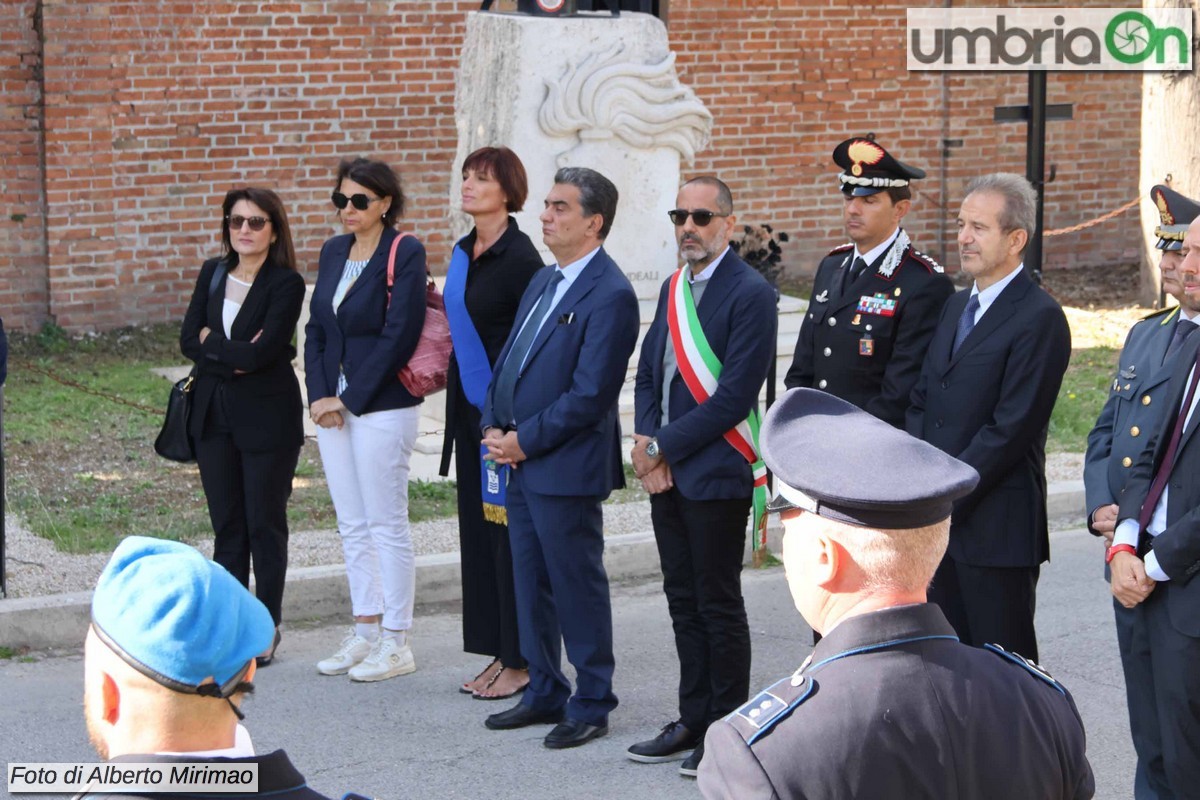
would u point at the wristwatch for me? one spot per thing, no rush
(1118, 548)
(652, 448)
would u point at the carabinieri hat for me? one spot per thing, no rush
(1175, 213)
(868, 169)
(837, 461)
(179, 619)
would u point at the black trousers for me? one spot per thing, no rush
(701, 545)
(1162, 686)
(489, 604)
(989, 605)
(247, 496)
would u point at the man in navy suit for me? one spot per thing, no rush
(700, 483)
(1154, 558)
(985, 395)
(551, 415)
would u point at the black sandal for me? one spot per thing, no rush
(266, 659)
(465, 688)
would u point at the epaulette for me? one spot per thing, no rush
(771, 706)
(1169, 311)
(925, 261)
(841, 248)
(1028, 665)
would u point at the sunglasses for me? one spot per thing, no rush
(359, 201)
(237, 221)
(679, 216)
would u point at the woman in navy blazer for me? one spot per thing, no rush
(359, 335)
(246, 420)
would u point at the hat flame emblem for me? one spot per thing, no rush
(1164, 213)
(863, 152)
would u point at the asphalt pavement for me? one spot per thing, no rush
(417, 737)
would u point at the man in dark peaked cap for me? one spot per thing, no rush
(889, 703)
(875, 300)
(168, 659)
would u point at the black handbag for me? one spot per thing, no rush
(174, 442)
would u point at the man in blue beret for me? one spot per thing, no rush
(169, 658)
(889, 703)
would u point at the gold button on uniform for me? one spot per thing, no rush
(1126, 462)
(828, 351)
(1145, 399)
(1135, 431)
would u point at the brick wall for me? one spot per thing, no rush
(154, 110)
(23, 290)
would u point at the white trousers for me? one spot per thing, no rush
(366, 467)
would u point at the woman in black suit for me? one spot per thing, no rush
(246, 418)
(362, 329)
(489, 270)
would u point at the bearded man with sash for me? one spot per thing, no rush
(702, 365)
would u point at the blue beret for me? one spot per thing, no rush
(177, 617)
(838, 461)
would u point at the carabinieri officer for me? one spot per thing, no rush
(875, 300)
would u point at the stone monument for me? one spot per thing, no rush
(586, 91)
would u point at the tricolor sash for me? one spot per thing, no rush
(474, 373)
(701, 369)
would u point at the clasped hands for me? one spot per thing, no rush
(503, 448)
(1130, 583)
(655, 473)
(327, 412)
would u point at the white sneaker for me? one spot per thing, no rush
(351, 651)
(387, 659)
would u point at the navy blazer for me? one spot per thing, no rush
(265, 410)
(1128, 419)
(990, 406)
(738, 315)
(368, 339)
(1177, 548)
(565, 401)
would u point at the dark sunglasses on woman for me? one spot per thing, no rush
(359, 201)
(237, 221)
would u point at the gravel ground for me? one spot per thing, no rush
(35, 567)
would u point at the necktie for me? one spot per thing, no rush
(966, 323)
(1164, 469)
(506, 381)
(1183, 329)
(852, 274)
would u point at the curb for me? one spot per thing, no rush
(321, 593)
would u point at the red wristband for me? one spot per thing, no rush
(1119, 548)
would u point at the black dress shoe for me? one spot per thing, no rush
(521, 715)
(691, 764)
(673, 743)
(266, 658)
(572, 733)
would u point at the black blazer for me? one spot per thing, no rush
(1178, 547)
(496, 282)
(990, 406)
(265, 409)
(370, 340)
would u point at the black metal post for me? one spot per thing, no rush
(3, 565)
(1035, 165)
(771, 372)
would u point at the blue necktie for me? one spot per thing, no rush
(506, 381)
(966, 323)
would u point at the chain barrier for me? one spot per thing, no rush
(25, 365)
(1096, 221)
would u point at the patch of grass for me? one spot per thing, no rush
(1084, 391)
(432, 500)
(18, 653)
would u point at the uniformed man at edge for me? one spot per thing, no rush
(889, 704)
(875, 300)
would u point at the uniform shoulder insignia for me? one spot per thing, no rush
(925, 261)
(771, 706)
(1028, 665)
(1170, 311)
(842, 248)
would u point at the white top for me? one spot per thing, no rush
(235, 295)
(349, 276)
